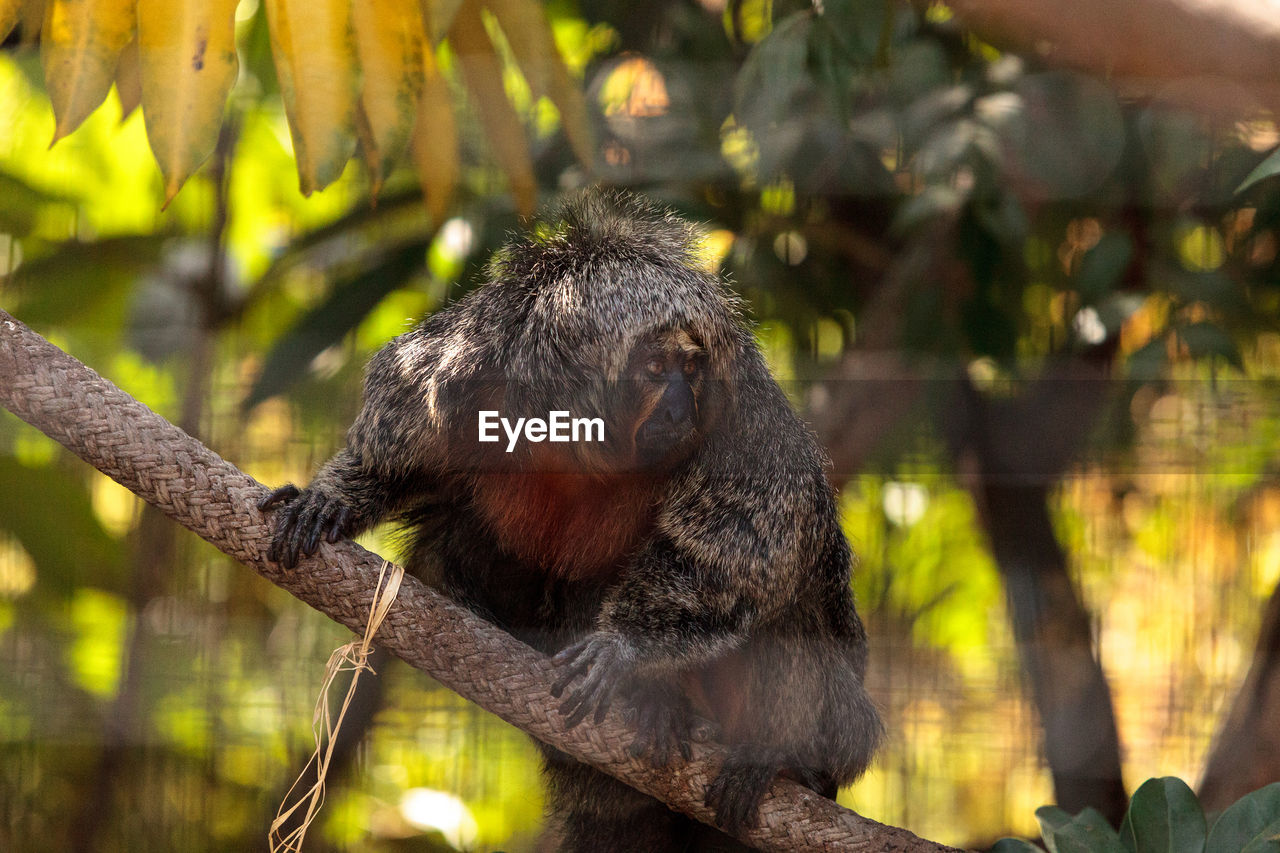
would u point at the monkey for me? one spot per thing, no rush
(687, 566)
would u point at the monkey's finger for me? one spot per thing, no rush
(603, 708)
(583, 700)
(299, 525)
(568, 676)
(315, 531)
(581, 707)
(569, 653)
(310, 525)
(643, 741)
(284, 494)
(339, 525)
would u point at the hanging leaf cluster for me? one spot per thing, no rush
(353, 74)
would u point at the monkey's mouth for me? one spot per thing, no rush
(658, 442)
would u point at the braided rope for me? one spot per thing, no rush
(195, 487)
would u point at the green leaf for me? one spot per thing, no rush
(1087, 832)
(85, 280)
(1250, 825)
(857, 25)
(1267, 168)
(326, 324)
(1164, 817)
(1206, 339)
(23, 204)
(1148, 362)
(50, 515)
(1014, 845)
(1103, 266)
(774, 72)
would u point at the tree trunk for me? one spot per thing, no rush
(1246, 752)
(1009, 452)
(1052, 632)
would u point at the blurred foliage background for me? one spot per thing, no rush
(1032, 311)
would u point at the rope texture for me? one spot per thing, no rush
(195, 487)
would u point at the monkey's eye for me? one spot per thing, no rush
(690, 368)
(654, 367)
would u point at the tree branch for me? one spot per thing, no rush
(195, 487)
(1214, 56)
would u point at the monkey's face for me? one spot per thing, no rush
(666, 373)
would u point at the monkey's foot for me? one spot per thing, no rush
(664, 721)
(303, 519)
(605, 662)
(736, 791)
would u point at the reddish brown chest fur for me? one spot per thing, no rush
(573, 525)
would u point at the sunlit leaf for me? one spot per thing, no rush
(330, 321)
(316, 64)
(129, 80)
(187, 53)
(435, 143)
(1250, 825)
(525, 25)
(389, 43)
(482, 70)
(80, 45)
(1164, 816)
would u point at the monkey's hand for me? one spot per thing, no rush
(304, 518)
(738, 788)
(664, 720)
(605, 661)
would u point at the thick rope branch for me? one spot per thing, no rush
(195, 487)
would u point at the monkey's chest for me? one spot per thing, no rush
(571, 525)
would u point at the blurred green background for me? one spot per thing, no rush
(1034, 316)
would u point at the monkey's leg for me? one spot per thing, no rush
(595, 813)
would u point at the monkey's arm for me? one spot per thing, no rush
(414, 390)
(345, 499)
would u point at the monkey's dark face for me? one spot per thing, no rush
(666, 374)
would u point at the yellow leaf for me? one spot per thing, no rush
(316, 65)
(81, 41)
(525, 25)
(482, 70)
(10, 13)
(30, 18)
(435, 143)
(129, 80)
(566, 94)
(440, 16)
(389, 43)
(187, 58)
